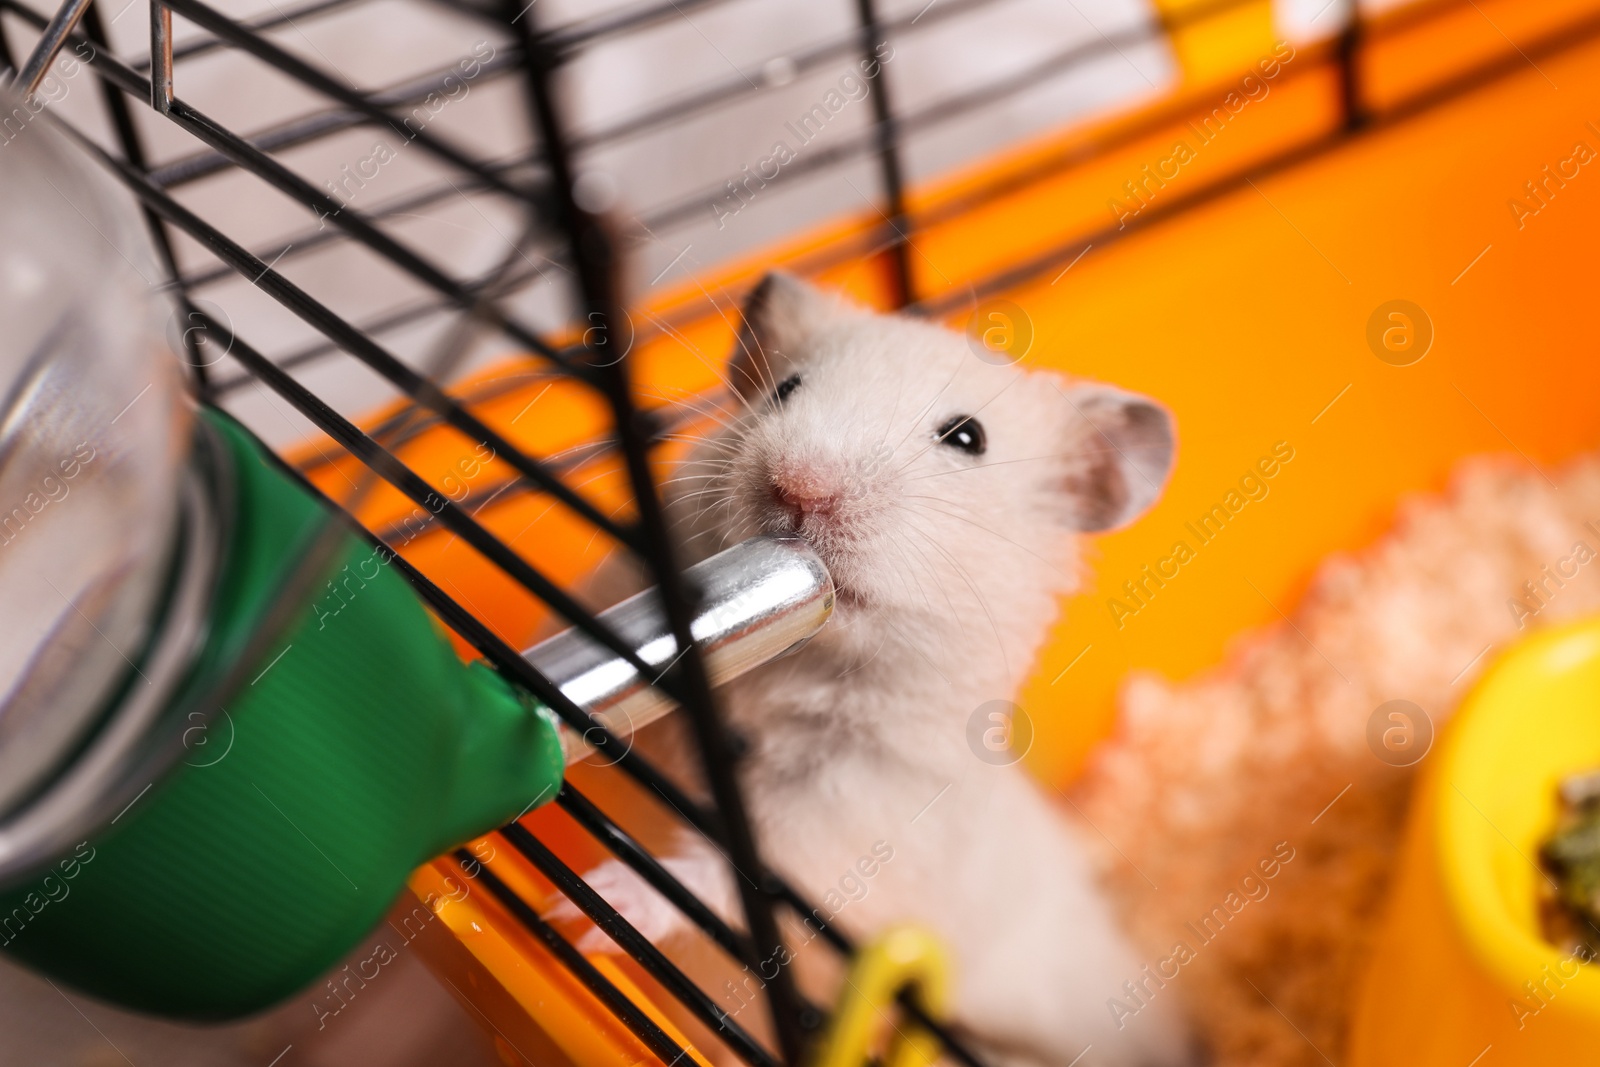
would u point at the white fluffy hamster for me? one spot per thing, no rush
(946, 493)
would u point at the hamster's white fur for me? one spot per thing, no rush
(950, 565)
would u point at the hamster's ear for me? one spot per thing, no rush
(780, 313)
(1119, 456)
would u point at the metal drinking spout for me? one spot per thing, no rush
(759, 599)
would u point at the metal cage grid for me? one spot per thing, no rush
(540, 184)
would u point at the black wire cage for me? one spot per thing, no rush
(535, 186)
(527, 183)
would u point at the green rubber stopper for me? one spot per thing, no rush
(363, 747)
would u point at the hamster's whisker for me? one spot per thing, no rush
(668, 329)
(916, 647)
(690, 430)
(586, 445)
(921, 586)
(743, 338)
(888, 427)
(692, 438)
(961, 572)
(730, 437)
(854, 667)
(933, 574)
(922, 414)
(686, 478)
(583, 483)
(692, 538)
(704, 509)
(987, 530)
(550, 504)
(675, 479)
(676, 403)
(908, 574)
(719, 410)
(689, 438)
(708, 491)
(715, 465)
(587, 544)
(704, 406)
(732, 525)
(706, 467)
(739, 335)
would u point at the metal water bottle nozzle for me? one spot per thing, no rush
(759, 600)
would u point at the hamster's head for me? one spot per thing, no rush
(943, 491)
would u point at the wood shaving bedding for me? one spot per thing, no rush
(1207, 776)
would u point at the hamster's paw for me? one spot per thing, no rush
(635, 899)
(652, 914)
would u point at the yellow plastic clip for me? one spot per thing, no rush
(901, 956)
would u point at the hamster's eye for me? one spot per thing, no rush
(964, 432)
(785, 387)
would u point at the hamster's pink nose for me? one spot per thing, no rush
(804, 490)
(806, 503)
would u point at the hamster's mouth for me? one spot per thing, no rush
(830, 538)
(845, 596)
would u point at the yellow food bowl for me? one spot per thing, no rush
(1460, 971)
